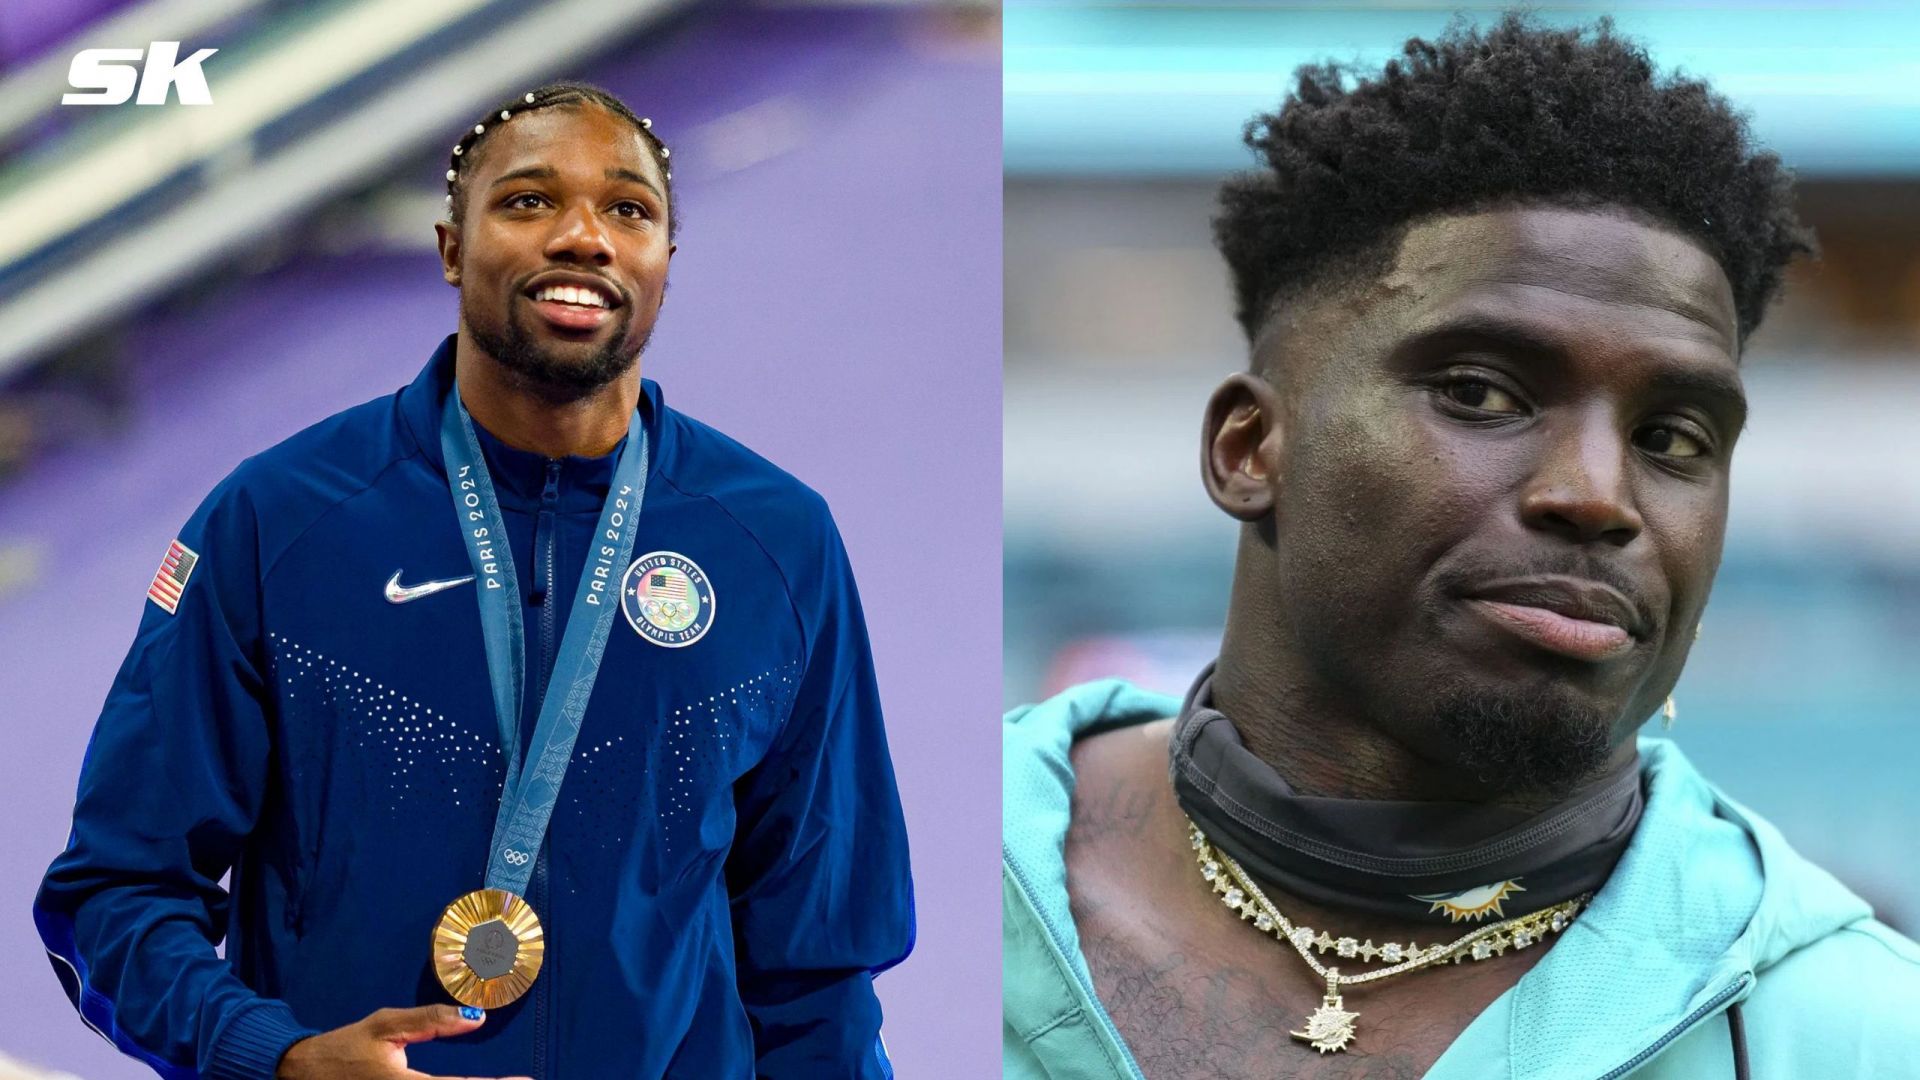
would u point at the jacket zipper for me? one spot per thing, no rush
(544, 525)
(1055, 937)
(1706, 1009)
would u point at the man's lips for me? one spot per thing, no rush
(1579, 619)
(563, 287)
(1578, 638)
(572, 317)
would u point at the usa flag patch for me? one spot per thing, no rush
(171, 579)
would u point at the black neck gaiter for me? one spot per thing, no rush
(1446, 861)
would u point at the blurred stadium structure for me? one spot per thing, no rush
(182, 286)
(1801, 696)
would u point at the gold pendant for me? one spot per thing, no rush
(487, 948)
(1330, 1028)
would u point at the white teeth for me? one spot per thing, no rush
(568, 294)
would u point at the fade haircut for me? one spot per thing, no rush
(1475, 120)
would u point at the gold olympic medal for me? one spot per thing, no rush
(488, 947)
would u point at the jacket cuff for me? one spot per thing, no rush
(253, 1042)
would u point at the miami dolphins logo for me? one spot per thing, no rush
(667, 599)
(1472, 904)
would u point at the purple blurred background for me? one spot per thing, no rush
(32, 27)
(835, 304)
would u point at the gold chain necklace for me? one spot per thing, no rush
(1331, 1027)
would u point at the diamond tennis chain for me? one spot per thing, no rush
(1331, 1027)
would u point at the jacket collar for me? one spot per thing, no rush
(1037, 800)
(1706, 896)
(1651, 947)
(520, 476)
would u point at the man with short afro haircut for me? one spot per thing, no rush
(1514, 115)
(1496, 296)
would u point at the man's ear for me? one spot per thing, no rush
(448, 236)
(1242, 444)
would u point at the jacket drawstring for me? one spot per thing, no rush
(1737, 1028)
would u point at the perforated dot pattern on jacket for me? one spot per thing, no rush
(678, 762)
(701, 735)
(419, 755)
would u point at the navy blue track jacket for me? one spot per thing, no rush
(726, 868)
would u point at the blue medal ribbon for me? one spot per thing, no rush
(533, 788)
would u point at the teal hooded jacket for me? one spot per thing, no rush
(1708, 908)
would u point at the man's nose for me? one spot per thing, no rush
(580, 236)
(1582, 488)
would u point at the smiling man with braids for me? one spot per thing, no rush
(366, 664)
(1496, 297)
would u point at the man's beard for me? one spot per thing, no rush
(555, 381)
(1541, 741)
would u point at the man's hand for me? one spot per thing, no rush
(376, 1048)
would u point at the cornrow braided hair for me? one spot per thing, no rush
(460, 164)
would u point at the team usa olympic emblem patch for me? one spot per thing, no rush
(667, 598)
(171, 579)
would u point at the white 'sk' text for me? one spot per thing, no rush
(109, 75)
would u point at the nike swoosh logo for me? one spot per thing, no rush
(400, 594)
